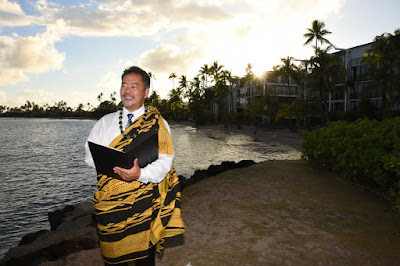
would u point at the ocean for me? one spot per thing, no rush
(42, 167)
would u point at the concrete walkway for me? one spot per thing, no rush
(283, 212)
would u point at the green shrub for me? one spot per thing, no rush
(365, 151)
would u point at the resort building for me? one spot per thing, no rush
(345, 98)
(284, 91)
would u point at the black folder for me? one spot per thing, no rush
(106, 158)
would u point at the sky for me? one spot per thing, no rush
(74, 50)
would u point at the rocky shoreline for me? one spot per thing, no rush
(72, 239)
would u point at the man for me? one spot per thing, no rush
(138, 207)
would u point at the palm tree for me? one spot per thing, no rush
(215, 70)
(153, 99)
(327, 72)
(113, 97)
(205, 71)
(198, 106)
(183, 86)
(183, 82)
(383, 59)
(175, 102)
(317, 33)
(89, 106)
(249, 70)
(249, 74)
(303, 81)
(193, 89)
(222, 89)
(173, 76)
(100, 97)
(286, 110)
(287, 70)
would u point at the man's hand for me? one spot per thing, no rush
(128, 174)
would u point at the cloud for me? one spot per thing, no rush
(257, 32)
(11, 14)
(80, 97)
(10, 7)
(129, 18)
(42, 97)
(33, 54)
(37, 93)
(167, 58)
(151, 17)
(3, 96)
(39, 97)
(110, 81)
(11, 76)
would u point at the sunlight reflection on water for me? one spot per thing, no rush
(198, 151)
(43, 169)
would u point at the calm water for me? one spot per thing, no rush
(42, 167)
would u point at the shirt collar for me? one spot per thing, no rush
(136, 114)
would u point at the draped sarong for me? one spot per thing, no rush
(132, 216)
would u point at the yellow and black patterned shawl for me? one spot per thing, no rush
(132, 216)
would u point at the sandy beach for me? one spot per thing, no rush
(281, 135)
(283, 212)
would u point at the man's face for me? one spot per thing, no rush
(133, 92)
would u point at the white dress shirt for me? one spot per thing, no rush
(107, 129)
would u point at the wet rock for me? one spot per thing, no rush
(76, 232)
(213, 170)
(229, 165)
(29, 238)
(56, 217)
(245, 163)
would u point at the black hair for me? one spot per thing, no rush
(141, 72)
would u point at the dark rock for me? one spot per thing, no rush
(245, 163)
(76, 232)
(228, 165)
(29, 238)
(213, 170)
(56, 217)
(199, 175)
(51, 247)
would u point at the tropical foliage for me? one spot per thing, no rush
(317, 32)
(383, 60)
(366, 152)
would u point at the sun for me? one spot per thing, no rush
(259, 69)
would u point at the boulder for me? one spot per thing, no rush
(56, 217)
(213, 170)
(76, 232)
(29, 238)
